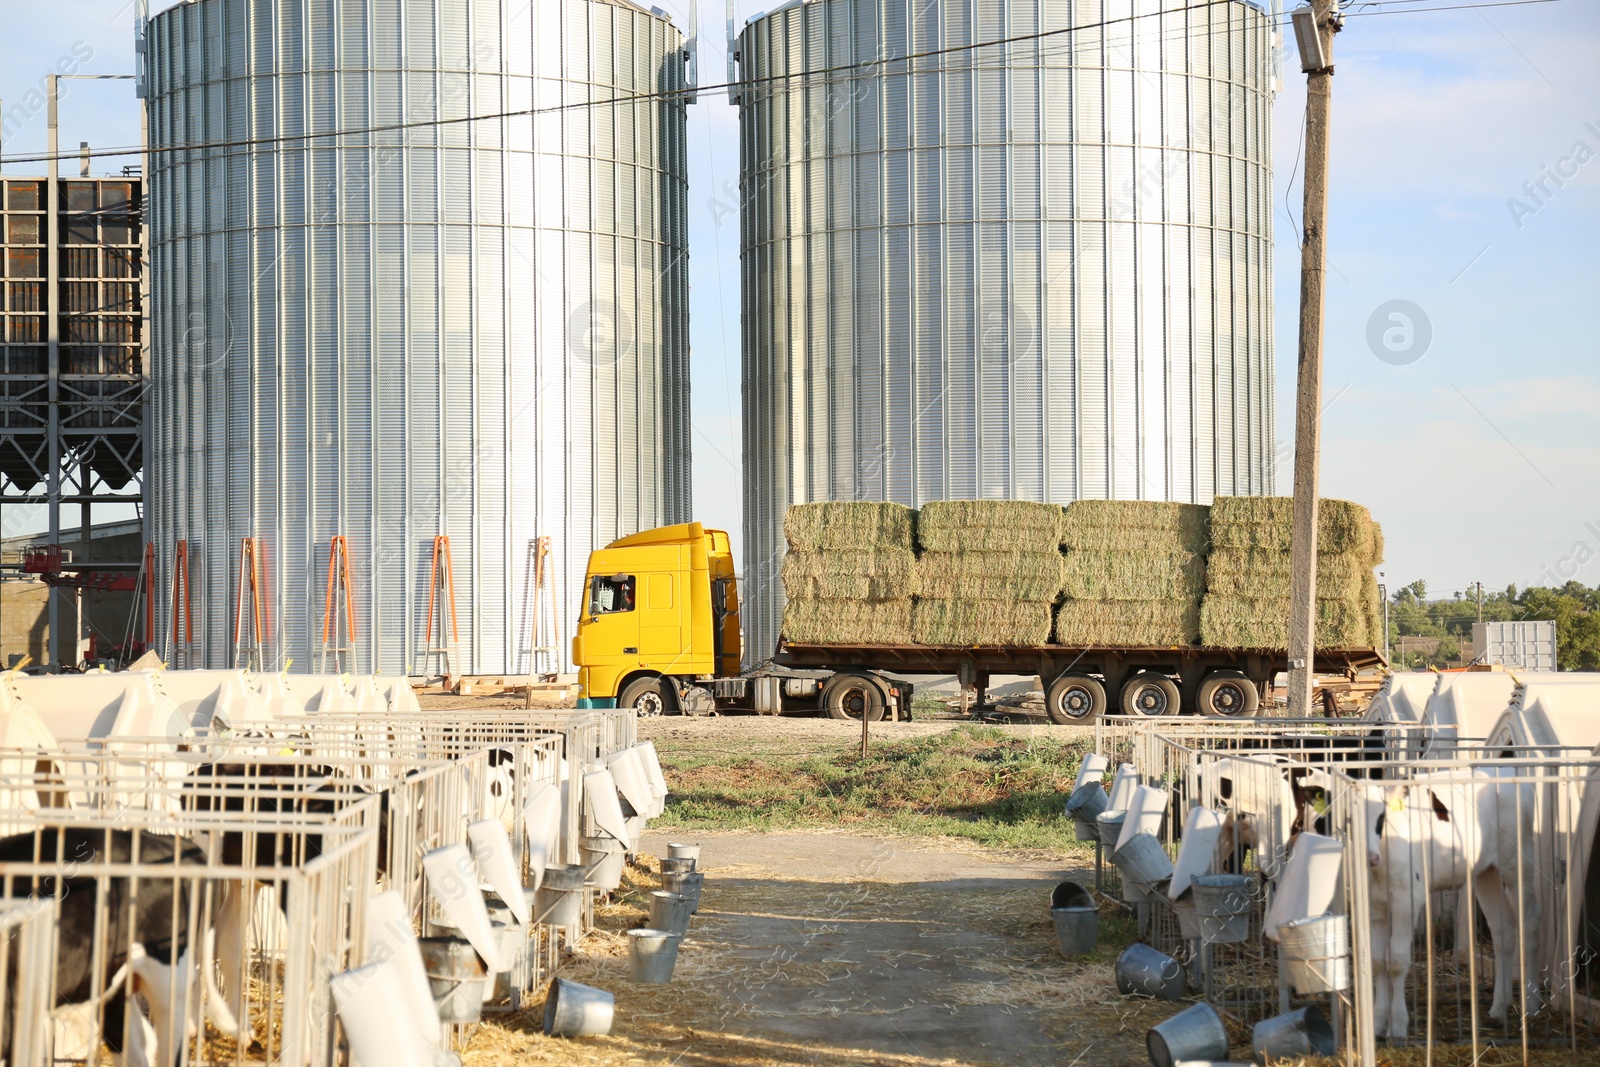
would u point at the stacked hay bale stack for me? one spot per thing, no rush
(849, 573)
(989, 572)
(1135, 573)
(1248, 574)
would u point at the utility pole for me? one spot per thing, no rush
(1314, 27)
(1480, 600)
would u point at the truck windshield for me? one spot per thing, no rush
(610, 595)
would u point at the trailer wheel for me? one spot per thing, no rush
(1074, 699)
(1228, 694)
(1148, 693)
(850, 696)
(647, 696)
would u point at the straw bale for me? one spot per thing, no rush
(872, 574)
(849, 524)
(1098, 524)
(847, 622)
(1268, 522)
(1015, 575)
(989, 526)
(1109, 575)
(981, 622)
(1134, 623)
(1372, 604)
(1266, 573)
(1255, 622)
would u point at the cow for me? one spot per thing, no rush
(1437, 832)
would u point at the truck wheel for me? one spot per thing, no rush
(1074, 699)
(1148, 693)
(647, 696)
(1228, 694)
(850, 696)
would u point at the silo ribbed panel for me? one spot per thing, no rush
(414, 326)
(1036, 270)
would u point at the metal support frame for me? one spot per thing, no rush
(442, 605)
(539, 578)
(249, 655)
(182, 651)
(339, 582)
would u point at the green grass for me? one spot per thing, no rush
(974, 783)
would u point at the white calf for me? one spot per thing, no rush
(1428, 835)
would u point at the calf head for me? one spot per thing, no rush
(1393, 813)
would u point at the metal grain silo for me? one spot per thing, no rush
(377, 320)
(1036, 270)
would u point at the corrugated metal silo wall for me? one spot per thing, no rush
(1034, 271)
(477, 329)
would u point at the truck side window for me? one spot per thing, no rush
(608, 595)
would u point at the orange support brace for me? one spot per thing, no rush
(249, 584)
(338, 579)
(441, 553)
(182, 616)
(147, 575)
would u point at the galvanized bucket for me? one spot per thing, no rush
(1076, 917)
(652, 954)
(677, 865)
(1143, 860)
(1188, 919)
(574, 1010)
(669, 912)
(684, 852)
(1085, 805)
(604, 857)
(1290, 1037)
(1222, 904)
(457, 976)
(1316, 953)
(1144, 972)
(688, 883)
(560, 898)
(1196, 1033)
(1108, 826)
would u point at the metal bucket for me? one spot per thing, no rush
(1188, 919)
(676, 865)
(1144, 972)
(682, 851)
(1290, 1037)
(603, 856)
(688, 883)
(1108, 826)
(1316, 953)
(1222, 904)
(574, 1010)
(669, 912)
(457, 976)
(1196, 1033)
(560, 899)
(1076, 917)
(1086, 804)
(1143, 860)
(652, 954)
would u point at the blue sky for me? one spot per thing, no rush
(1481, 458)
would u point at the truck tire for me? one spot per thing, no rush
(647, 696)
(1150, 694)
(1075, 699)
(849, 696)
(1228, 695)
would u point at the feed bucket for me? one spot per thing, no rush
(678, 865)
(456, 975)
(1300, 1033)
(1316, 953)
(1144, 972)
(1076, 917)
(1222, 904)
(560, 898)
(1196, 1033)
(682, 851)
(1108, 827)
(669, 912)
(1188, 920)
(652, 954)
(688, 883)
(1085, 805)
(574, 1010)
(603, 856)
(1143, 860)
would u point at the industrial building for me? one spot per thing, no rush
(1040, 270)
(375, 324)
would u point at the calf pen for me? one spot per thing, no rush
(1547, 826)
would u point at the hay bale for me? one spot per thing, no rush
(1176, 574)
(980, 622)
(847, 622)
(849, 524)
(1014, 575)
(1132, 623)
(1268, 522)
(1372, 603)
(871, 574)
(1094, 525)
(1256, 622)
(989, 526)
(1266, 573)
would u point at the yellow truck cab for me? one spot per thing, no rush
(660, 614)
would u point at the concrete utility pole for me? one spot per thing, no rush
(1480, 600)
(1314, 27)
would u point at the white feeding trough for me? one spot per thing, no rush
(541, 823)
(1092, 769)
(497, 864)
(1123, 783)
(390, 937)
(1201, 831)
(600, 798)
(378, 1020)
(1146, 808)
(1309, 884)
(652, 766)
(452, 879)
(633, 781)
